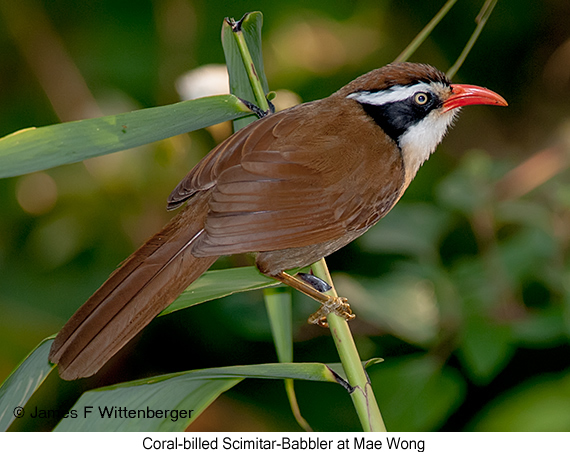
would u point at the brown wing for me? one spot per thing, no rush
(300, 177)
(205, 174)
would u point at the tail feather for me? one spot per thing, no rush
(150, 280)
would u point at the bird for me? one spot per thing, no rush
(292, 187)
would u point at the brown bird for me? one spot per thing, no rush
(294, 187)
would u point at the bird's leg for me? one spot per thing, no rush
(338, 305)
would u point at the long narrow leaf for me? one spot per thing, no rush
(220, 283)
(22, 383)
(33, 371)
(239, 81)
(39, 148)
(278, 306)
(279, 309)
(134, 406)
(164, 407)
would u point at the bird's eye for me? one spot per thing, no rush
(421, 98)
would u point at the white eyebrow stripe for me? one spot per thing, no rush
(394, 94)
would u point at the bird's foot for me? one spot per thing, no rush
(338, 305)
(258, 111)
(313, 286)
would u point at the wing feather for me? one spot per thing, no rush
(275, 184)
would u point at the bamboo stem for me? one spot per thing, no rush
(362, 394)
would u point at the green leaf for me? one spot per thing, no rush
(240, 84)
(195, 395)
(39, 148)
(528, 253)
(193, 390)
(402, 303)
(23, 382)
(398, 232)
(417, 392)
(220, 283)
(469, 187)
(539, 405)
(251, 28)
(279, 310)
(485, 347)
(544, 328)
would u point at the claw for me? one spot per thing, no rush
(258, 111)
(338, 305)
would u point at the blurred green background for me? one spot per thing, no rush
(464, 288)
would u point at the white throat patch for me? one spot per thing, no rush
(421, 139)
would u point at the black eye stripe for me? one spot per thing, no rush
(395, 118)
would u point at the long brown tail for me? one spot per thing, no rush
(133, 295)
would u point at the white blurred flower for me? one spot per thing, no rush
(208, 80)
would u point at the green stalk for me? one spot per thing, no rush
(422, 35)
(362, 394)
(260, 98)
(481, 20)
